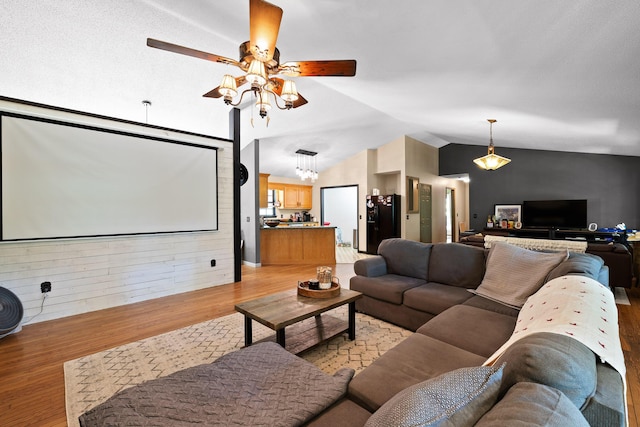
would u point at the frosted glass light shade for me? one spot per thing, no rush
(491, 161)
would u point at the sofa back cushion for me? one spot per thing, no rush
(406, 257)
(555, 360)
(456, 264)
(582, 264)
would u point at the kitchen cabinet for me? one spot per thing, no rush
(297, 197)
(263, 187)
(298, 245)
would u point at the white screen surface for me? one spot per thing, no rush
(60, 180)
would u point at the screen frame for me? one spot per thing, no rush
(118, 132)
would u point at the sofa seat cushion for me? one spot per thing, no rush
(530, 404)
(416, 359)
(345, 413)
(470, 328)
(457, 398)
(456, 264)
(435, 298)
(389, 287)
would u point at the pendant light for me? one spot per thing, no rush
(491, 161)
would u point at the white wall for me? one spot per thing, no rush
(95, 273)
(386, 168)
(249, 209)
(341, 210)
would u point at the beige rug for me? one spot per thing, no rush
(92, 379)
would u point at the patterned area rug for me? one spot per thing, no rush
(92, 379)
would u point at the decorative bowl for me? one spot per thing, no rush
(272, 222)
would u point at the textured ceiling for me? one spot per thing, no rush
(557, 75)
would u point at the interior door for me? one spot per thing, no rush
(425, 213)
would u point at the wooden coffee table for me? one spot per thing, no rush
(284, 309)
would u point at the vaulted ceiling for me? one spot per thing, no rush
(556, 75)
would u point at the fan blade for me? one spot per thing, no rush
(299, 102)
(346, 68)
(190, 52)
(215, 93)
(264, 24)
(276, 87)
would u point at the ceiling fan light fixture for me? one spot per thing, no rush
(491, 161)
(257, 73)
(263, 103)
(289, 92)
(260, 61)
(228, 87)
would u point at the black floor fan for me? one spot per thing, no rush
(11, 312)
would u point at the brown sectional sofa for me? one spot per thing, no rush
(426, 288)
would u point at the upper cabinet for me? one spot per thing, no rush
(288, 196)
(297, 196)
(263, 187)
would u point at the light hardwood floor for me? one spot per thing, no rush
(31, 373)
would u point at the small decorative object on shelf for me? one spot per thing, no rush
(489, 222)
(324, 277)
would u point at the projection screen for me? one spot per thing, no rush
(68, 180)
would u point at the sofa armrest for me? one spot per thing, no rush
(371, 267)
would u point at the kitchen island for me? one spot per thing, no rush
(298, 245)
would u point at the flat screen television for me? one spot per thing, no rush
(559, 214)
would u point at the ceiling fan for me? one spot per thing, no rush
(260, 60)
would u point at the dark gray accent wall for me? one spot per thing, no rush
(611, 184)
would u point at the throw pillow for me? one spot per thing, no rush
(457, 398)
(533, 405)
(514, 274)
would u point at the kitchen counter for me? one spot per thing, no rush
(296, 226)
(298, 245)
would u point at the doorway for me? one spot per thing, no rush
(426, 234)
(339, 208)
(450, 218)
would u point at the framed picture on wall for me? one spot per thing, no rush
(413, 195)
(510, 213)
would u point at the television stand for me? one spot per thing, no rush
(560, 234)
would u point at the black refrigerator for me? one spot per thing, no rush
(383, 220)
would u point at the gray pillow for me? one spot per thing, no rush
(529, 404)
(454, 399)
(514, 274)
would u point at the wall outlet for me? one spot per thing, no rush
(45, 287)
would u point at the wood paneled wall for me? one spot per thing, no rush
(90, 274)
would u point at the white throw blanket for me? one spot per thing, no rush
(538, 244)
(575, 306)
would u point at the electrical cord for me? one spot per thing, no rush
(44, 297)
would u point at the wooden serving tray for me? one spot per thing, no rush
(333, 291)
